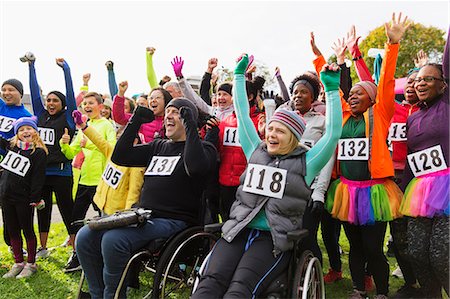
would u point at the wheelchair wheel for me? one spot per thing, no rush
(308, 280)
(180, 262)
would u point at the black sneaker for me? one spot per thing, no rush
(73, 264)
(408, 291)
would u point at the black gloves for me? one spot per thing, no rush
(143, 114)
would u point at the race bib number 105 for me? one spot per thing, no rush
(16, 163)
(112, 176)
(265, 180)
(427, 161)
(162, 166)
(353, 149)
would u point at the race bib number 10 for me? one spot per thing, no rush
(162, 166)
(6, 123)
(427, 161)
(265, 180)
(112, 176)
(47, 135)
(16, 163)
(353, 149)
(230, 137)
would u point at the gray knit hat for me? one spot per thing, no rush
(16, 84)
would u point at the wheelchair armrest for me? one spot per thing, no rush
(213, 228)
(297, 235)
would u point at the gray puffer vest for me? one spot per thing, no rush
(284, 215)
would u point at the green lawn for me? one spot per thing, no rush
(51, 282)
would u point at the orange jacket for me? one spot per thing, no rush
(380, 161)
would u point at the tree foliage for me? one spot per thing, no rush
(430, 39)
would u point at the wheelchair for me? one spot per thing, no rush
(175, 262)
(303, 278)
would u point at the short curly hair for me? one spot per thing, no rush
(314, 81)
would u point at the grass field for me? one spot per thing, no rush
(51, 282)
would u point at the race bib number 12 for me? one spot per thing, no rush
(353, 149)
(16, 163)
(427, 161)
(265, 180)
(162, 166)
(6, 123)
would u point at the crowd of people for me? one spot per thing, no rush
(323, 153)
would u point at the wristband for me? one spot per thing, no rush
(84, 128)
(357, 58)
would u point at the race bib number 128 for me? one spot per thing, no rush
(16, 163)
(427, 161)
(162, 166)
(265, 180)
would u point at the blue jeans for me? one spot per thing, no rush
(104, 254)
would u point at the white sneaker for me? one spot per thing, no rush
(66, 242)
(397, 272)
(27, 271)
(15, 270)
(42, 252)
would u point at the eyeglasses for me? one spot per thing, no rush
(427, 79)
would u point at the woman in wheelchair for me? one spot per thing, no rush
(272, 195)
(173, 184)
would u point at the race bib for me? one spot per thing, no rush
(353, 149)
(162, 166)
(265, 180)
(308, 142)
(427, 161)
(6, 123)
(230, 137)
(47, 135)
(397, 132)
(112, 176)
(16, 163)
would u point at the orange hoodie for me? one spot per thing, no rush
(380, 161)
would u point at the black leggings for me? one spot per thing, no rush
(243, 268)
(366, 244)
(62, 186)
(400, 246)
(331, 231)
(311, 223)
(19, 217)
(83, 199)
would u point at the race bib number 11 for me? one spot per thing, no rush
(353, 149)
(231, 137)
(16, 163)
(427, 161)
(265, 180)
(162, 166)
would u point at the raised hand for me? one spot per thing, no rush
(212, 122)
(339, 48)
(421, 60)
(109, 65)
(352, 39)
(79, 120)
(60, 61)
(177, 64)
(242, 64)
(123, 86)
(330, 77)
(314, 47)
(86, 78)
(65, 138)
(28, 57)
(150, 50)
(212, 64)
(144, 114)
(277, 71)
(397, 28)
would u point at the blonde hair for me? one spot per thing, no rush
(37, 142)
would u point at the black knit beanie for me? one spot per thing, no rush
(180, 102)
(227, 87)
(16, 84)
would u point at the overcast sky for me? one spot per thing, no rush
(88, 33)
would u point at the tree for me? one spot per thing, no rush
(430, 39)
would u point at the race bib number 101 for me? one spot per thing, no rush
(162, 166)
(265, 180)
(16, 163)
(427, 161)
(353, 149)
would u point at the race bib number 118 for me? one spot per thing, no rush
(265, 180)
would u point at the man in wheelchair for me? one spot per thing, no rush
(177, 168)
(272, 195)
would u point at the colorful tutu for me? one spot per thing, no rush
(427, 195)
(364, 202)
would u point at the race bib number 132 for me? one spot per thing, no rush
(265, 180)
(353, 149)
(427, 161)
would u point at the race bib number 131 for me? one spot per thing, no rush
(162, 166)
(265, 180)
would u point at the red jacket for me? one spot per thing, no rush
(232, 158)
(397, 133)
